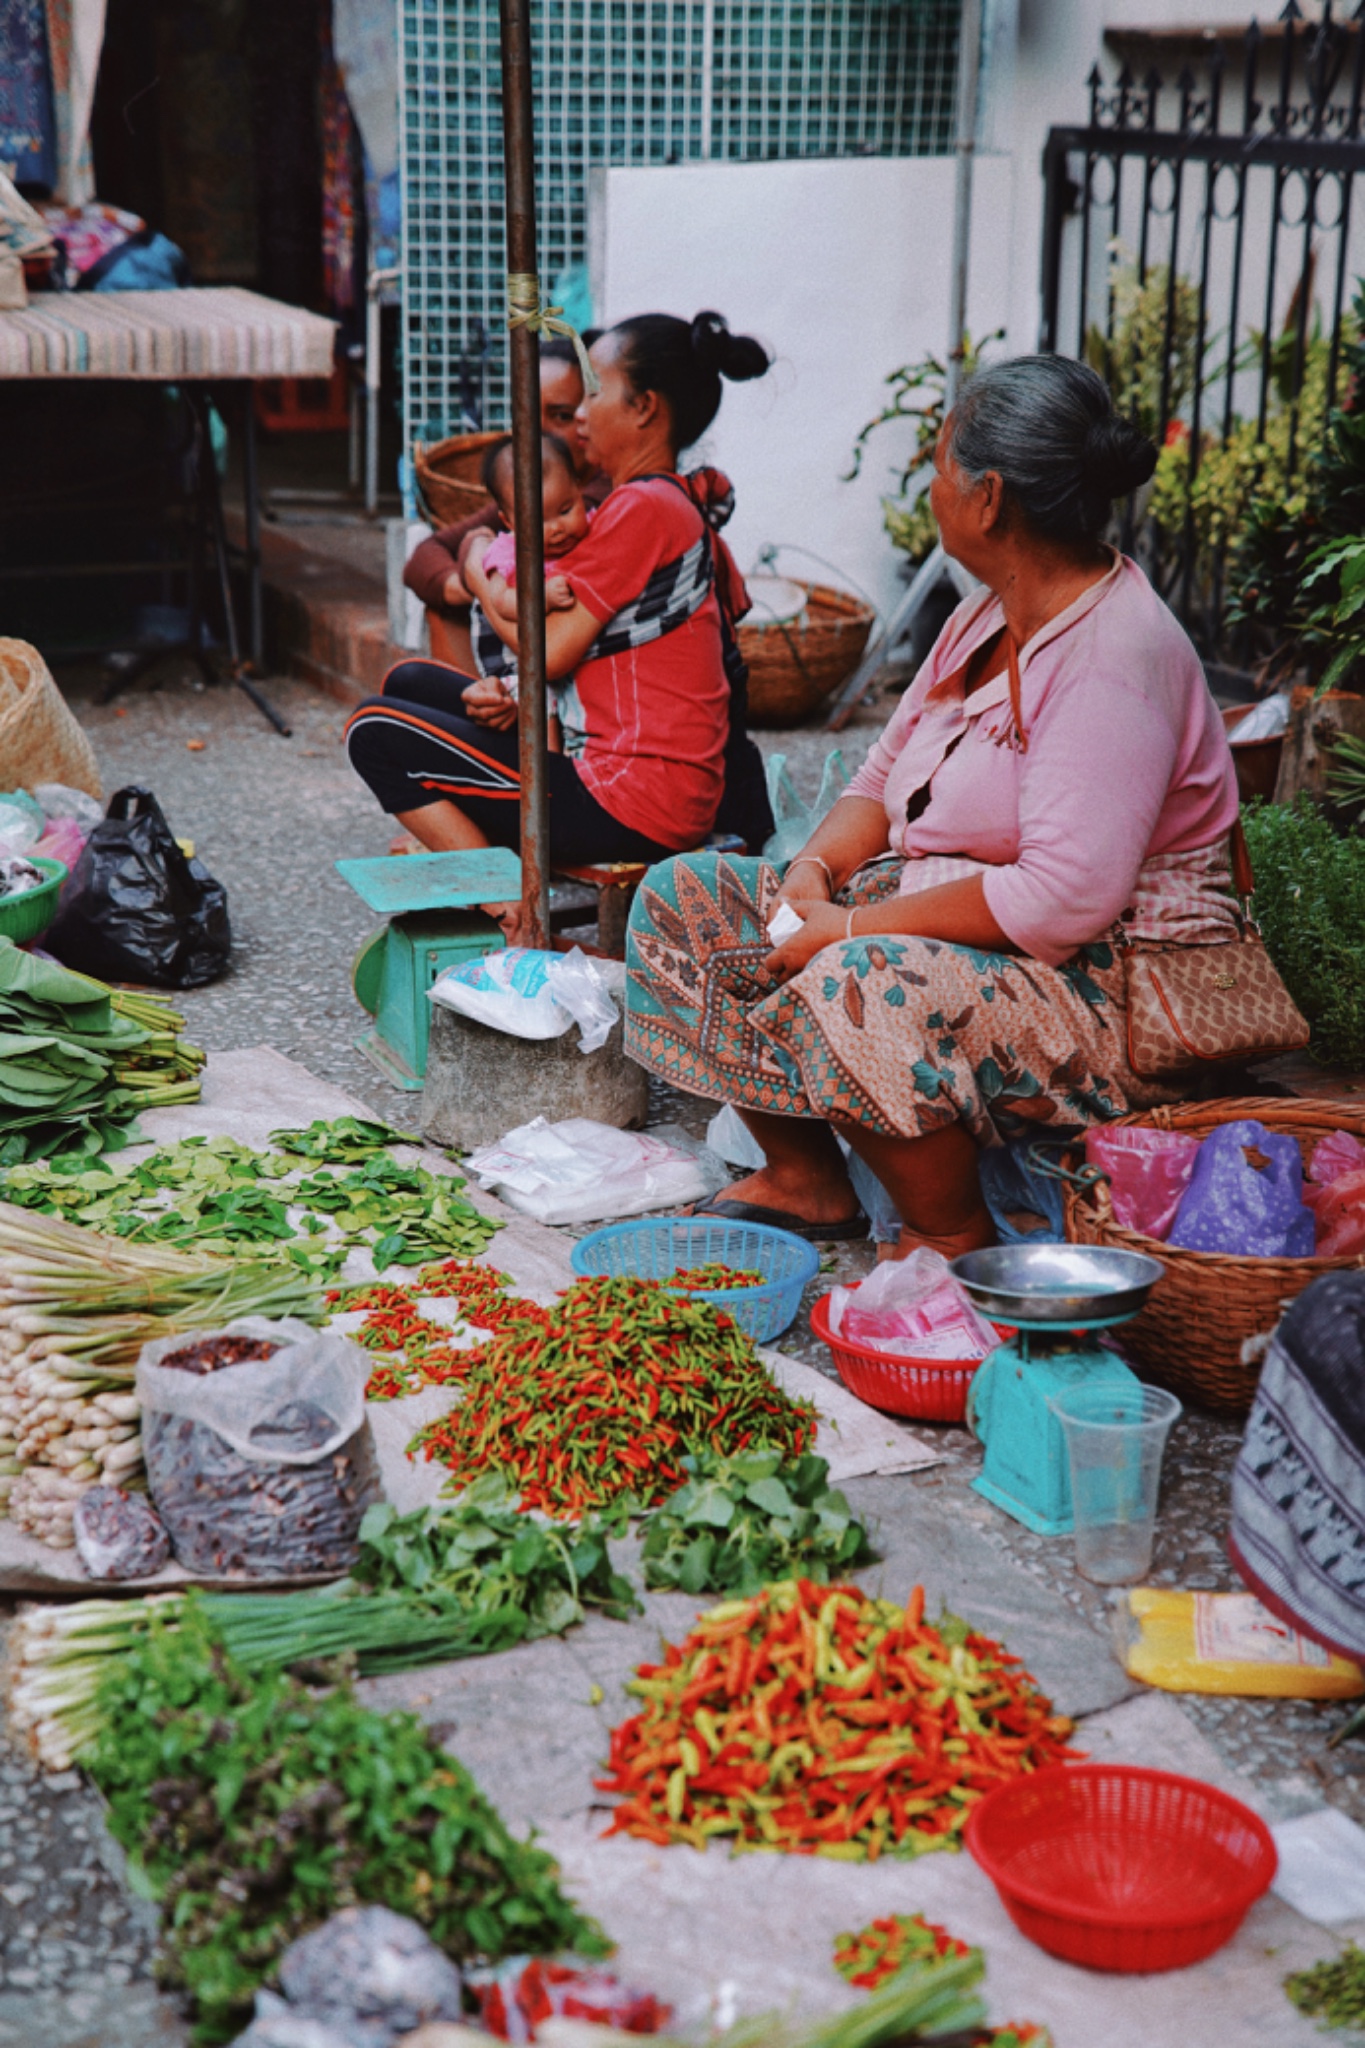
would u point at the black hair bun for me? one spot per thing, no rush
(1118, 456)
(736, 356)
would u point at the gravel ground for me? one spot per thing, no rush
(269, 817)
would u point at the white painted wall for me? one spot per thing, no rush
(842, 268)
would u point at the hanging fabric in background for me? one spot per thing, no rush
(75, 36)
(342, 186)
(366, 45)
(28, 122)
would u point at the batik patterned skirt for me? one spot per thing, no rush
(901, 1035)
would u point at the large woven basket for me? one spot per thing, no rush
(448, 475)
(1204, 1328)
(795, 664)
(40, 740)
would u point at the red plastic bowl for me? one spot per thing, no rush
(1119, 1868)
(934, 1389)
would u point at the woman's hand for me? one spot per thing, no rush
(490, 702)
(453, 591)
(474, 547)
(824, 924)
(806, 885)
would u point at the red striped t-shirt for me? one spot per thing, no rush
(657, 716)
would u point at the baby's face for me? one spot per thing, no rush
(566, 515)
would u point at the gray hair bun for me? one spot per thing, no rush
(1047, 426)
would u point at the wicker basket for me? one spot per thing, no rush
(1202, 1317)
(794, 665)
(448, 476)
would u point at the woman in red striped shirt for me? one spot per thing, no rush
(645, 641)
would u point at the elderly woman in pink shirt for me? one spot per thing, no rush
(1055, 782)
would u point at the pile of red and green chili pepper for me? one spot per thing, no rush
(603, 1395)
(716, 1278)
(884, 1947)
(815, 1719)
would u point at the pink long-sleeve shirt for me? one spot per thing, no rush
(1127, 759)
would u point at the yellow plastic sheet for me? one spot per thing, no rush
(1225, 1643)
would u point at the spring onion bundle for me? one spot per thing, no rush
(75, 1310)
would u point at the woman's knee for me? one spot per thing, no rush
(422, 681)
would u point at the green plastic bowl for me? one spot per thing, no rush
(28, 916)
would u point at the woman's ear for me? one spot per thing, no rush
(991, 502)
(648, 407)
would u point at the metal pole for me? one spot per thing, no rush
(968, 93)
(374, 285)
(520, 165)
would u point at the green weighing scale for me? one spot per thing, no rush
(422, 895)
(1056, 1298)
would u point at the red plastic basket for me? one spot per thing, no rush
(934, 1389)
(1120, 1868)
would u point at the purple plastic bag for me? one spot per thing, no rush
(1246, 1196)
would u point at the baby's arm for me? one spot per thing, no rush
(502, 597)
(559, 595)
(554, 734)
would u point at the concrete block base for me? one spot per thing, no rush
(481, 1083)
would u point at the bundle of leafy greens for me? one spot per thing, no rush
(252, 1809)
(430, 1586)
(742, 1522)
(308, 1200)
(1332, 1990)
(77, 1062)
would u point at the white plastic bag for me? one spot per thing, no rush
(263, 1468)
(580, 1171)
(914, 1308)
(531, 994)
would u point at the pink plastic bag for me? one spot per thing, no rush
(1338, 1212)
(1334, 1155)
(1148, 1173)
(913, 1308)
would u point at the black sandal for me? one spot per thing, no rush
(728, 1209)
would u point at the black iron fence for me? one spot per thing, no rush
(1203, 238)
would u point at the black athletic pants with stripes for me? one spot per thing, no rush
(413, 745)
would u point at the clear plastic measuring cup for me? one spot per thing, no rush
(1115, 1437)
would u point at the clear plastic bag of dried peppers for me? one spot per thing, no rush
(259, 1458)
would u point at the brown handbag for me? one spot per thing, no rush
(1188, 1005)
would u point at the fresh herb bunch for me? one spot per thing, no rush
(1333, 1989)
(601, 1396)
(740, 1523)
(252, 1809)
(1310, 905)
(490, 1558)
(216, 1195)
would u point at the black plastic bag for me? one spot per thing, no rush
(136, 909)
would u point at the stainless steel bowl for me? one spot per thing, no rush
(1057, 1283)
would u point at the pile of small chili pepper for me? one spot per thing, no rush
(815, 1719)
(394, 1324)
(716, 1278)
(883, 1947)
(604, 1394)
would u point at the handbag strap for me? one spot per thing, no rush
(1243, 876)
(1016, 690)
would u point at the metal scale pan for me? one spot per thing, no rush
(1058, 1286)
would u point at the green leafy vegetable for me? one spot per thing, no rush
(741, 1523)
(252, 1809)
(1333, 1989)
(1310, 905)
(320, 1192)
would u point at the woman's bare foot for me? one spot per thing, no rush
(406, 842)
(814, 1197)
(973, 1236)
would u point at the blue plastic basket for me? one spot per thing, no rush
(653, 1247)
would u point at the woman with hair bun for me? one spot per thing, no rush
(1056, 780)
(655, 592)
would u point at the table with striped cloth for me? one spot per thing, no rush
(211, 332)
